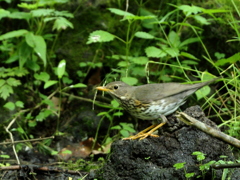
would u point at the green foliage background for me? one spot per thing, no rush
(49, 48)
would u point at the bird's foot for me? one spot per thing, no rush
(143, 134)
(140, 136)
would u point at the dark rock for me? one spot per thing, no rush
(154, 158)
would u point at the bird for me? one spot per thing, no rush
(151, 101)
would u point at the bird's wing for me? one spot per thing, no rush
(153, 92)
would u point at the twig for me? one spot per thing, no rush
(207, 129)
(14, 119)
(11, 137)
(98, 103)
(29, 140)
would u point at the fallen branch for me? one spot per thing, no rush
(29, 140)
(207, 129)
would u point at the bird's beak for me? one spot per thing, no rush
(102, 88)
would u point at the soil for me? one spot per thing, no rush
(154, 158)
(148, 159)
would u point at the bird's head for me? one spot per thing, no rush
(117, 89)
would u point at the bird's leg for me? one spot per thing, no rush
(143, 134)
(149, 133)
(139, 135)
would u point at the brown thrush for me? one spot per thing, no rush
(151, 101)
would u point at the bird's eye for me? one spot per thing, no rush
(115, 87)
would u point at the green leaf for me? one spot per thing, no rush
(119, 113)
(66, 152)
(20, 130)
(114, 103)
(43, 12)
(32, 123)
(130, 80)
(4, 156)
(123, 64)
(82, 64)
(4, 13)
(43, 114)
(100, 36)
(179, 165)
(187, 55)
(144, 35)
(174, 39)
(62, 23)
(219, 55)
(124, 133)
(231, 60)
(61, 68)
(43, 76)
(10, 106)
(120, 12)
(141, 60)
(138, 17)
(49, 83)
(203, 92)
(128, 127)
(38, 44)
(29, 37)
(189, 41)
(12, 34)
(19, 104)
(189, 175)
(13, 82)
(200, 155)
(173, 52)
(190, 62)
(188, 10)
(66, 80)
(152, 51)
(30, 6)
(147, 23)
(201, 20)
(206, 76)
(24, 53)
(5, 91)
(79, 85)
(40, 48)
(2, 82)
(20, 15)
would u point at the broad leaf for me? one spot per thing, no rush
(12, 34)
(130, 80)
(174, 39)
(41, 48)
(188, 10)
(10, 106)
(13, 82)
(233, 59)
(43, 76)
(61, 68)
(5, 91)
(4, 13)
(79, 85)
(152, 51)
(100, 36)
(62, 23)
(144, 35)
(120, 12)
(49, 83)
